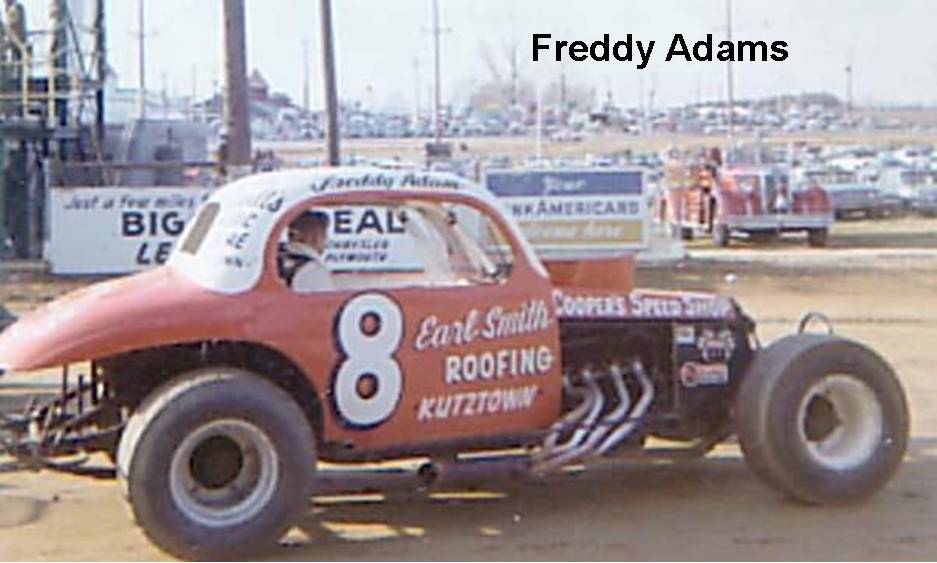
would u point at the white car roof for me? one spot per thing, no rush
(230, 258)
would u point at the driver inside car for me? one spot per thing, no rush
(304, 266)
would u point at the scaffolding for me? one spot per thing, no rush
(51, 109)
(55, 77)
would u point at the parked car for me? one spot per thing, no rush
(916, 187)
(850, 196)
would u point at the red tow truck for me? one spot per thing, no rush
(703, 195)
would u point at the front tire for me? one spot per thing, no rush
(822, 419)
(217, 464)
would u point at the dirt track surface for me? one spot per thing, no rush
(877, 283)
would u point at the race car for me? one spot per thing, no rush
(218, 385)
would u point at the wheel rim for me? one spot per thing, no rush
(840, 421)
(224, 473)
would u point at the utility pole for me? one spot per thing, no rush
(193, 100)
(164, 81)
(730, 82)
(515, 78)
(650, 99)
(539, 129)
(141, 59)
(848, 70)
(306, 86)
(563, 100)
(642, 106)
(236, 110)
(416, 91)
(437, 87)
(331, 88)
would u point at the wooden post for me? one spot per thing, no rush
(331, 89)
(236, 109)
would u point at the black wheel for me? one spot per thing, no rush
(822, 418)
(680, 232)
(817, 237)
(721, 234)
(764, 237)
(217, 464)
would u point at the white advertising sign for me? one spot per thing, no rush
(116, 230)
(120, 230)
(576, 209)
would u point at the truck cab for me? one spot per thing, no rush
(755, 201)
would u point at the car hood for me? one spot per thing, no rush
(153, 308)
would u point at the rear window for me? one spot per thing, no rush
(200, 227)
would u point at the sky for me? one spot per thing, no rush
(384, 52)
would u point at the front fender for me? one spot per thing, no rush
(144, 310)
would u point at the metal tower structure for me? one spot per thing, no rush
(51, 108)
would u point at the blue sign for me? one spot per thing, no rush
(539, 183)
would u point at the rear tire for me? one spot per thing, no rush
(817, 238)
(822, 419)
(217, 464)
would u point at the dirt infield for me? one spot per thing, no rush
(878, 283)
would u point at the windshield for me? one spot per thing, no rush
(195, 236)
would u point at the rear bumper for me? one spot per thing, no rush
(779, 222)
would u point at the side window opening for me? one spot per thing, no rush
(200, 227)
(387, 246)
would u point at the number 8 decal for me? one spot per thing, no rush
(367, 385)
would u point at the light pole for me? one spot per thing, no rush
(437, 71)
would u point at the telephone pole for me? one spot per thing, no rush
(848, 70)
(306, 106)
(331, 89)
(416, 92)
(730, 82)
(437, 86)
(141, 59)
(236, 110)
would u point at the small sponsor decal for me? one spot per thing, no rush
(684, 335)
(693, 374)
(716, 346)
(642, 305)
